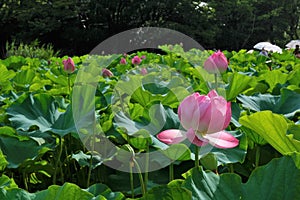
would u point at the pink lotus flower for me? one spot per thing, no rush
(136, 60)
(144, 71)
(123, 61)
(143, 57)
(69, 65)
(204, 117)
(215, 63)
(106, 73)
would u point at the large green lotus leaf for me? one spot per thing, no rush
(166, 192)
(237, 84)
(208, 185)
(24, 77)
(40, 110)
(287, 103)
(68, 191)
(16, 150)
(104, 190)
(279, 179)
(16, 193)
(14, 62)
(273, 78)
(273, 128)
(43, 111)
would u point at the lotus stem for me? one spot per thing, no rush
(146, 167)
(216, 81)
(25, 180)
(131, 164)
(90, 171)
(257, 156)
(60, 143)
(196, 156)
(171, 172)
(140, 176)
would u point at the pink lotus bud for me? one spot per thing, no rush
(136, 60)
(143, 57)
(106, 73)
(144, 71)
(123, 61)
(69, 65)
(215, 63)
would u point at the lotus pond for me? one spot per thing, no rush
(92, 134)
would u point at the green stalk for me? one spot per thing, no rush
(196, 156)
(89, 172)
(140, 177)
(131, 179)
(25, 181)
(91, 161)
(146, 167)
(69, 85)
(231, 169)
(257, 156)
(216, 82)
(58, 160)
(171, 172)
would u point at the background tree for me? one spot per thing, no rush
(77, 26)
(234, 19)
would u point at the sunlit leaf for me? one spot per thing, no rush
(273, 128)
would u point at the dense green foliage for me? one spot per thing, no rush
(76, 27)
(42, 156)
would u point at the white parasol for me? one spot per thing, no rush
(268, 47)
(292, 44)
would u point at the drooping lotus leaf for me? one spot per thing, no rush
(273, 128)
(41, 110)
(287, 103)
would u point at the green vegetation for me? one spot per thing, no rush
(43, 157)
